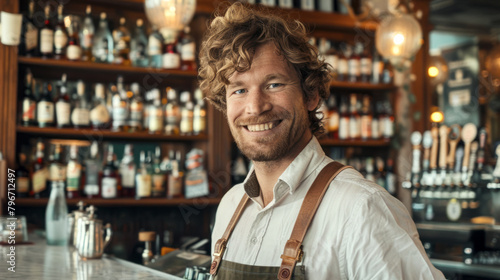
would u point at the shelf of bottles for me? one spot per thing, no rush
(452, 178)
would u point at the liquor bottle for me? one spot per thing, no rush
(369, 168)
(171, 58)
(284, 3)
(127, 172)
(73, 174)
(39, 173)
(354, 119)
(138, 46)
(199, 114)
(46, 35)
(387, 72)
(143, 177)
(186, 124)
(187, 50)
(22, 177)
(80, 116)
(121, 38)
(175, 178)
(377, 68)
(155, 48)
(60, 35)
(333, 118)
(57, 168)
(73, 50)
(102, 44)
(332, 58)
(388, 120)
(307, 5)
(158, 176)
(343, 66)
(63, 106)
(366, 118)
(365, 65)
(29, 103)
(87, 35)
(390, 178)
(110, 179)
(121, 106)
(99, 114)
(269, 3)
(56, 216)
(92, 168)
(136, 109)
(29, 33)
(344, 120)
(354, 64)
(172, 113)
(155, 114)
(45, 107)
(375, 126)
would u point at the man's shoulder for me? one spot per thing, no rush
(232, 197)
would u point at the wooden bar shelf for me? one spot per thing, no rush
(362, 86)
(124, 202)
(355, 143)
(91, 134)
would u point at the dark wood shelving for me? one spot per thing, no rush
(103, 67)
(124, 202)
(362, 86)
(355, 143)
(90, 134)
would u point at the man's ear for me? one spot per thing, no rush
(312, 102)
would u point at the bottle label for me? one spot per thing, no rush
(354, 127)
(99, 115)
(388, 128)
(57, 172)
(29, 107)
(154, 46)
(109, 187)
(199, 124)
(23, 184)
(136, 109)
(366, 66)
(174, 186)
(188, 51)
(158, 184)
(46, 41)
(286, 3)
(143, 185)
(73, 174)
(60, 39)
(62, 113)
(128, 176)
(333, 121)
(269, 3)
(375, 128)
(344, 128)
(87, 40)
(172, 114)
(155, 118)
(119, 116)
(171, 61)
(80, 116)
(366, 126)
(353, 67)
(333, 60)
(45, 112)
(186, 126)
(74, 52)
(40, 180)
(31, 37)
(91, 189)
(343, 68)
(307, 5)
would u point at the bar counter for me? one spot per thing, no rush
(41, 261)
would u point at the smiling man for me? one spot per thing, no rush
(263, 74)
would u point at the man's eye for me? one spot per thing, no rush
(239, 91)
(274, 85)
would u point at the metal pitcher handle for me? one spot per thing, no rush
(109, 233)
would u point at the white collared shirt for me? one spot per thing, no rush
(360, 231)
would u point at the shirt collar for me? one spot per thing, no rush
(301, 167)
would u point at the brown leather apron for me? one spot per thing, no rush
(292, 253)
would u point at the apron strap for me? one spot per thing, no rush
(293, 252)
(220, 245)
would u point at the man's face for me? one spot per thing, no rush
(265, 108)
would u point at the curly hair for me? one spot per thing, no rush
(229, 44)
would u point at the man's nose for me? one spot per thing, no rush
(257, 102)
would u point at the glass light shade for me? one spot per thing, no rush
(492, 62)
(437, 70)
(398, 38)
(170, 14)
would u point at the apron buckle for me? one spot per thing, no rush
(222, 248)
(297, 258)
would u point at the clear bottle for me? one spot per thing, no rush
(136, 109)
(121, 106)
(110, 179)
(63, 105)
(29, 37)
(73, 174)
(29, 103)
(172, 113)
(143, 177)
(60, 35)
(186, 124)
(102, 44)
(45, 107)
(158, 176)
(99, 114)
(138, 46)
(39, 173)
(155, 48)
(199, 114)
(187, 50)
(92, 168)
(121, 38)
(80, 116)
(87, 35)
(46, 35)
(128, 171)
(56, 215)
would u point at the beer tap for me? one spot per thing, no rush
(458, 162)
(472, 162)
(434, 154)
(443, 149)
(426, 143)
(416, 139)
(480, 155)
(469, 133)
(453, 139)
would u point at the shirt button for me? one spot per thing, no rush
(254, 240)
